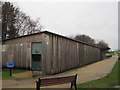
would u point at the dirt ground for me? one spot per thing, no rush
(87, 73)
(27, 74)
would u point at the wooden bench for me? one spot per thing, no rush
(56, 81)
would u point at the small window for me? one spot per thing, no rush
(36, 57)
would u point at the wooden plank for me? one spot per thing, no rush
(57, 80)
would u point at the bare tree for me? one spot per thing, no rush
(16, 23)
(87, 39)
(26, 25)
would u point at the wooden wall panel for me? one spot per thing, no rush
(17, 54)
(59, 54)
(65, 54)
(21, 55)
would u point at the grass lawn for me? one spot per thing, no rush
(5, 73)
(111, 53)
(108, 81)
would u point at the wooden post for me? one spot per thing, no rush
(10, 71)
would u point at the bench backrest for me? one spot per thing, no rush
(57, 80)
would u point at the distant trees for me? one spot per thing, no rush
(26, 25)
(16, 23)
(102, 44)
(9, 13)
(84, 38)
(87, 39)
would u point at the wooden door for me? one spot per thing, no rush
(36, 56)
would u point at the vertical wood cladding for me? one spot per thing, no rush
(19, 51)
(58, 53)
(18, 54)
(64, 54)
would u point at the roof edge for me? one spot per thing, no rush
(48, 32)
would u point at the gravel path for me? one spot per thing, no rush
(86, 73)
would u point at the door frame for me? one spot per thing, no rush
(41, 56)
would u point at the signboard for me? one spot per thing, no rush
(10, 64)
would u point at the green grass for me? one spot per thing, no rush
(108, 81)
(111, 53)
(119, 54)
(5, 73)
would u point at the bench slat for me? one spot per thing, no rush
(56, 81)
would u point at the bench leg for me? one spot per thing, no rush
(75, 82)
(75, 86)
(71, 84)
(37, 85)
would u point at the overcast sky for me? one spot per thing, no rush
(99, 20)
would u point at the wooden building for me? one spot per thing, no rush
(48, 52)
(103, 52)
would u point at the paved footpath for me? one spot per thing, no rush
(86, 73)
